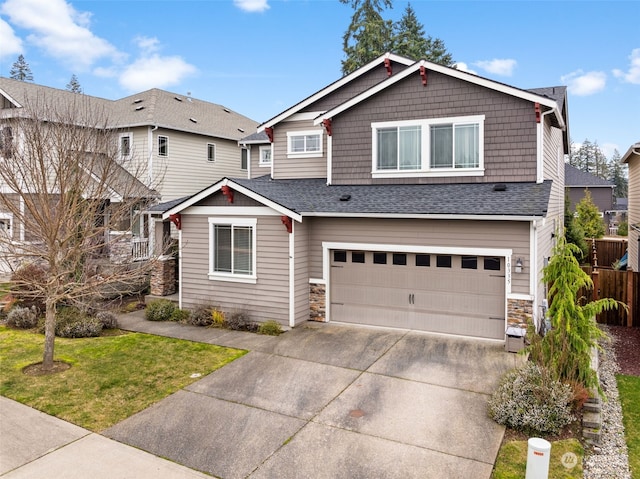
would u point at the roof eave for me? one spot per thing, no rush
(633, 150)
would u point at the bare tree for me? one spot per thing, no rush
(64, 185)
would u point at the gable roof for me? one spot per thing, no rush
(452, 72)
(153, 107)
(334, 86)
(573, 178)
(313, 197)
(633, 151)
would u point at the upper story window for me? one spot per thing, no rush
(6, 225)
(163, 146)
(265, 156)
(125, 145)
(301, 144)
(211, 152)
(244, 158)
(6, 142)
(437, 147)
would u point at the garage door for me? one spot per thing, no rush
(430, 292)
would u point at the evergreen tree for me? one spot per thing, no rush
(588, 217)
(74, 84)
(574, 233)
(368, 35)
(589, 158)
(20, 70)
(618, 175)
(410, 41)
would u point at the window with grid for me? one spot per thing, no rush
(232, 247)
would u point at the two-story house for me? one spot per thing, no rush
(632, 158)
(406, 195)
(174, 144)
(578, 182)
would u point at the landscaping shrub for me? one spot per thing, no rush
(239, 321)
(528, 400)
(218, 317)
(108, 319)
(23, 318)
(24, 285)
(202, 315)
(180, 315)
(71, 322)
(271, 328)
(160, 310)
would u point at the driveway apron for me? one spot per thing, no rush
(334, 401)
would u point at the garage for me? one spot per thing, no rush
(444, 293)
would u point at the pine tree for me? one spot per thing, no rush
(589, 158)
(618, 175)
(573, 232)
(74, 85)
(20, 70)
(588, 217)
(409, 40)
(368, 35)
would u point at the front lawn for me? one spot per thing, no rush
(111, 377)
(565, 462)
(629, 389)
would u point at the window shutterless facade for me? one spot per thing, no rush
(211, 152)
(434, 147)
(232, 249)
(244, 158)
(163, 146)
(301, 144)
(125, 143)
(265, 156)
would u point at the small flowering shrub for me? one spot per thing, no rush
(108, 320)
(528, 400)
(71, 322)
(160, 310)
(23, 318)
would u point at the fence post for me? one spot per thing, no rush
(630, 294)
(594, 272)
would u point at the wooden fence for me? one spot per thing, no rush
(623, 286)
(608, 251)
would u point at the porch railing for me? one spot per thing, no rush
(140, 247)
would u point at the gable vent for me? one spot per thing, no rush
(500, 187)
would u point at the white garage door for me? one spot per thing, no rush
(431, 292)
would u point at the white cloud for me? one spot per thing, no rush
(252, 5)
(498, 66)
(147, 44)
(155, 72)
(608, 149)
(462, 66)
(60, 30)
(11, 44)
(633, 75)
(584, 84)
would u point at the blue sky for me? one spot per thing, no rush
(259, 57)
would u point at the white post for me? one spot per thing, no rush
(538, 456)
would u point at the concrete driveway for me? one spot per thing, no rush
(333, 401)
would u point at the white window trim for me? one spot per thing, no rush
(311, 154)
(261, 161)
(163, 155)
(7, 217)
(215, 152)
(426, 169)
(248, 165)
(231, 277)
(129, 135)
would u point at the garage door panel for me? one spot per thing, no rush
(469, 301)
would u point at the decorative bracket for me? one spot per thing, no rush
(538, 113)
(286, 221)
(327, 125)
(269, 131)
(423, 75)
(176, 220)
(228, 193)
(387, 65)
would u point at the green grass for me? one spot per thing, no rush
(629, 389)
(512, 460)
(111, 377)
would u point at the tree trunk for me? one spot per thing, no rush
(49, 335)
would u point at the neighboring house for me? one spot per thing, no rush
(406, 194)
(172, 143)
(577, 182)
(632, 158)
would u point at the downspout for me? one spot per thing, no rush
(329, 158)
(292, 277)
(540, 147)
(150, 160)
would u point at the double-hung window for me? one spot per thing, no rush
(211, 152)
(302, 144)
(163, 146)
(432, 147)
(265, 156)
(125, 145)
(232, 249)
(6, 142)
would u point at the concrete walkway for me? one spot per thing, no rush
(321, 400)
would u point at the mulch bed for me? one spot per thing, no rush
(627, 348)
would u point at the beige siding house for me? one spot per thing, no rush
(632, 158)
(405, 195)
